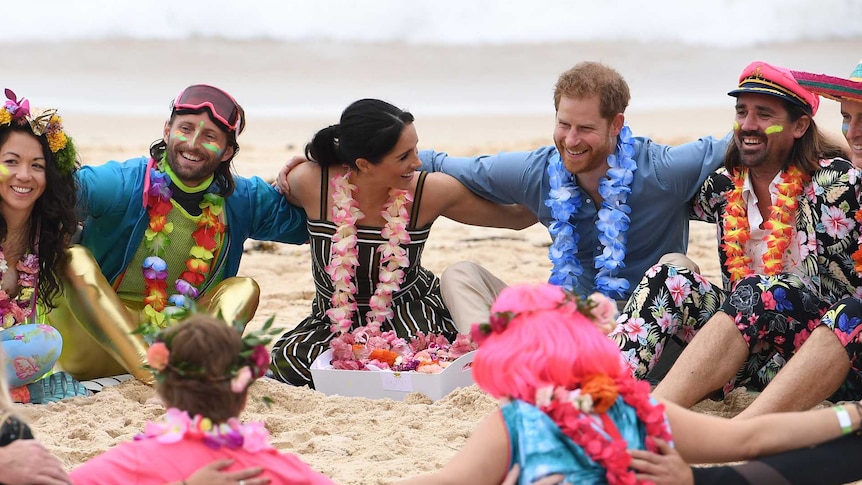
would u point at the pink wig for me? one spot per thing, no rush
(546, 342)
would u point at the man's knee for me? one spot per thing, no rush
(679, 259)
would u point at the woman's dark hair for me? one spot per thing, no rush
(807, 150)
(223, 178)
(53, 221)
(369, 129)
(209, 344)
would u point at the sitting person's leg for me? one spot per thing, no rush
(96, 324)
(670, 301)
(31, 351)
(468, 291)
(233, 300)
(820, 366)
(758, 323)
(293, 353)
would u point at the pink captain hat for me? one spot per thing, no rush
(762, 78)
(832, 87)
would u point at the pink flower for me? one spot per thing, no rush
(836, 222)
(768, 300)
(544, 395)
(260, 358)
(679, 288)
(429, 369)
(604, 312)
(25, 367)
(241, 380)
(158, 356)
(347, 365)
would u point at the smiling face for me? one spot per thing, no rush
(764, 132)
(397, 168)
(23, 157)
(196, 146)
(851, 126)
(583, 137)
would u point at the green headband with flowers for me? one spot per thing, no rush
(251, 363)
(17, 112)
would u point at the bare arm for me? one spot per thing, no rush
(481, 461)
(744, 439)
(455, 201)
(28, 462)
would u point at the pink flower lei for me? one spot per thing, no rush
(344, 255)
(14, 311)
(574, 412)
(178, 425)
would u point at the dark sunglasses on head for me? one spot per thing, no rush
(221, 105)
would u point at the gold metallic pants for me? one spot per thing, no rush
(96, 324)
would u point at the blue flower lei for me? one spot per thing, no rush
(564, 200)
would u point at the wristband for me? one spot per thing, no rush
(843, 419)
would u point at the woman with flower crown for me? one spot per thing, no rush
(369, 215)
(203, 369)
(37, 220)
(570, 406)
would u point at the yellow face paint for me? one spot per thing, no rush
(773, 129)
(735, 126)
(179, 136)
(4, 173)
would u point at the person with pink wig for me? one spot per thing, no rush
(570, 406)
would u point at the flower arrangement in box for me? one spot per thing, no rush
(367, 348)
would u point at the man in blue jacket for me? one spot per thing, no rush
(164, 232)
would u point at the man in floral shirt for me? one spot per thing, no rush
(785, 215)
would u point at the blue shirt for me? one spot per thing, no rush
(666, 179)
(540, 448)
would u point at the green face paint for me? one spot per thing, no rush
(213, 147)
(773, 129)
(179, 136)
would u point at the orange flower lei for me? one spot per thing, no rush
(209, 231)
(857, 255)
(780, 223)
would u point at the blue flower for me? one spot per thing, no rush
(564, 200)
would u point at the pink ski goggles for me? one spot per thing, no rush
(221, 105)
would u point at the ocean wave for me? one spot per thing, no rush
(720, 23)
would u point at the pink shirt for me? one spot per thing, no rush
(150, 462)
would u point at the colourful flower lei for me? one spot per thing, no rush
(573, 410)
(564, 199)
(41, 121)
(252, 437)
(14, 311)
(210, 230)
(780, 224)
(344, 255)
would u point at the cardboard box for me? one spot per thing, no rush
(386, 383)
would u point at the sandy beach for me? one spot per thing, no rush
(360, 441)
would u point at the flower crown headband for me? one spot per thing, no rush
(251, 363)
(597, 308)
(17, 112)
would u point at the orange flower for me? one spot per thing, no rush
(780, 224)
(383, 355)
(602, 389)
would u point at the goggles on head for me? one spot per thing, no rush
(221, 105)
